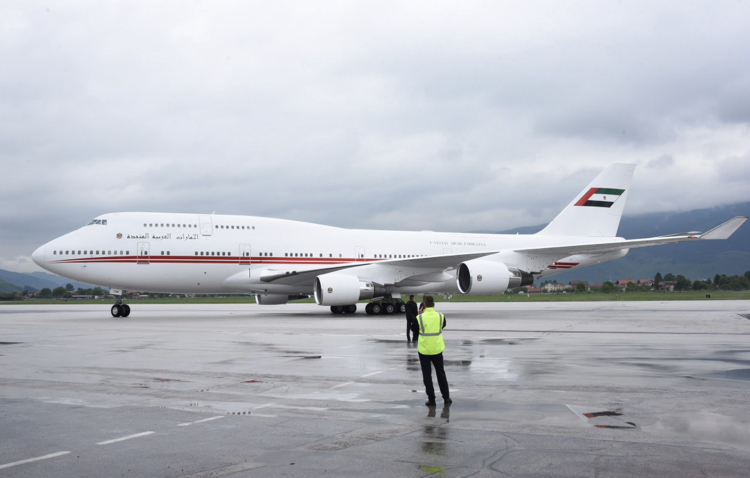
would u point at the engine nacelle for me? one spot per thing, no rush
(342, 289)
(276, 299)
(483, 277)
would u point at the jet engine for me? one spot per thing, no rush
(483, 277)
(342, 289)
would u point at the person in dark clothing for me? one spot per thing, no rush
(411, 319)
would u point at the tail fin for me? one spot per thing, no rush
(596, 211)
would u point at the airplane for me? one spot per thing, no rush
(281, 260)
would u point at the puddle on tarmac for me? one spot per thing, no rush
(704, 427)
(510, 341)
(431, 470)
(736, 374)
(602, 418)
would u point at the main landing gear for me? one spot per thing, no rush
(120, 309)
(344, 309)
(386, 307)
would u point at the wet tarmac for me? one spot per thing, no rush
(540, 389)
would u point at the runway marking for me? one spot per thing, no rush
(45, 457)
(370, 374)
(342, 384)
(199, 421)
(137, 435)
(263, 406)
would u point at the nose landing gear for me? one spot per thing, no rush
(120, 309)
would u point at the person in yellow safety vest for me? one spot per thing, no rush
(430, 348)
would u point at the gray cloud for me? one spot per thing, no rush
(483, 116)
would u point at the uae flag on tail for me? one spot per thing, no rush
(600, 197)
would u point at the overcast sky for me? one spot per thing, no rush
(454, 116)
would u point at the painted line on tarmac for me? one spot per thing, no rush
(30, 460)
(129, 437)
(199, 421)
(370, 374)
(342, 384)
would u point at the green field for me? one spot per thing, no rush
(571, 297)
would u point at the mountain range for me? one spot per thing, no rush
(11, 282)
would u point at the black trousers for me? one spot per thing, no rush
(412, 325)
(426, 361)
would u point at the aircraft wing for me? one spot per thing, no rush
(722, 231)
(294, 276)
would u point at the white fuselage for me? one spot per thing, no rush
(189, 253)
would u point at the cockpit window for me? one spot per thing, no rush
(101, 222)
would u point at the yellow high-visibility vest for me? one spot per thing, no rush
(430, 332)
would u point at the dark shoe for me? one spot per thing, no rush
(447, 402)
(430, 403)
(414, 340)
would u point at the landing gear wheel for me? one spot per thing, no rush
(388, 309)
(368, 309)
(350, 309)
(337, 309)
(125, 310)
(401, 308)
(117, 310)
(375, 308)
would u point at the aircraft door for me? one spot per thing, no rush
(207, 226)
(143, 254)
(245, 254)
(359, 254)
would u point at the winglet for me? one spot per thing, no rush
(725, 230)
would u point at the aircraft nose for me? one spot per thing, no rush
(38, 256)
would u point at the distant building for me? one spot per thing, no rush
(574, 283)
(666, 286)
